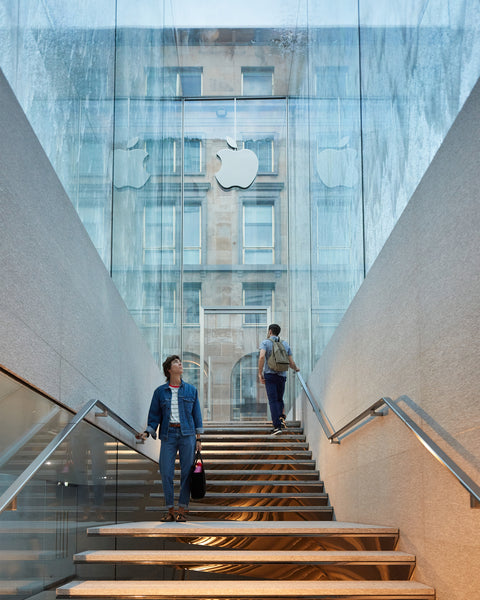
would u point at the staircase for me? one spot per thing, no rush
(264, 530)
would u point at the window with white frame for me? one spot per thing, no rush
(264, 148)
(192, 234)
(257, 81)
(191, 303)
(258, 233)
(159, 234)
(174, 81)
(257, 294)
(164, 156)
(159, 303)
(193, 155)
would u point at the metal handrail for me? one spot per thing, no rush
(20, 482)
(316, 408)
(465, 480)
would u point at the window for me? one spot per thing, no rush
(173, 81)
(151, 304)
(258, 234)
(332, 229)
(257, 81)
(193, 156)
(191, 303)
(168, 302)
(265, 150)
(257, 294)
(164, 156)
(159, 235)
(192, 234)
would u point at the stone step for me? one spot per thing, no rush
(233, 438)
(257, 513)
(272, 441)
(379, 590)
(244, 425)
(260, 499)
(268, 486)
(265, 564)
(263, 474)
(264, 432)
(271, 456)
(319, 497)
(255, 529)
(205, 556)
(255, 464)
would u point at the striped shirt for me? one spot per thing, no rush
(174, 414)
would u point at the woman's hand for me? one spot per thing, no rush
(198, 446)
(142, 436)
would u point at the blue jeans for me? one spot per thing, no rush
(275, 388)
(185, 445)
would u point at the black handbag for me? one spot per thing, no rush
(198, 481)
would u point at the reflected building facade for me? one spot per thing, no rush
(344, 117)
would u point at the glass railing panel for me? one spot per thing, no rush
(137, 479)
(28, 422)
(46, 525)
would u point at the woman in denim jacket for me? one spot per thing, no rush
(175, 409)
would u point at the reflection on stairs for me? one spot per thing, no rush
(264, 530)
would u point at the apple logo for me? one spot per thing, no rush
(338, 166)
(129, 167)
(239, 167)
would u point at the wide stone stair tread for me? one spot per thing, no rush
(260, 474)
(394, 590)
(258, 495)
(269, 454)
(274, 443)
(243, 528)
(205, 556)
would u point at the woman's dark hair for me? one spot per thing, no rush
(168, 363)
(275, 329)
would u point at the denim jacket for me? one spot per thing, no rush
(188, 409)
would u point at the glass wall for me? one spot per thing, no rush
(419, 62)
(59, 58)
(343, 105)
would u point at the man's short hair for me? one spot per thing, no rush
(168, 363)
(275, 329)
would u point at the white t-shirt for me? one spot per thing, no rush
(174, 414)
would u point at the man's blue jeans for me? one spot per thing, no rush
(185, 445)
(275, 388)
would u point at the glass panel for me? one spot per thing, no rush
(30, 421)
(242, 232)
(59, 61)
(232, 390)
(191, 303)
(87, 481)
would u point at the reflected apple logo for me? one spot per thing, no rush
(338, 166)
(239, 167)
(129, 166)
